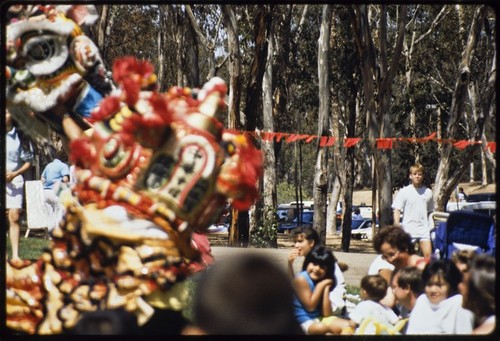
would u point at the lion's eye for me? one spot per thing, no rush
(40, 48)
(230, 148)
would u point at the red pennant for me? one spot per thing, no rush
(351, 141)
(492, 146)
(323, 140)
(430, 137)
(331, 141)
(291, 138)
(268, 136)
(384, 143)
(462, 144)
(310, 138)
(279, 136)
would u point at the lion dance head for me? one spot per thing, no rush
(153, 172)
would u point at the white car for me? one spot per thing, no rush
(362, 229)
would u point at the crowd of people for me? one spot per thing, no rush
(401, 293)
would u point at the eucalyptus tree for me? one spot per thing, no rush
(378, 71)
(321, 169)
(446, 182)
(347, 122)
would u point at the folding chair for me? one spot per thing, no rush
(36, 211)
(465, 230)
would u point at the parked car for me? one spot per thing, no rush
(477, 197)
(484, 203)
(362, 229)
(364, 210)
(307, 220)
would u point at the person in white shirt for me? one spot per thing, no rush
(416, 202)
(18, 159)
(439, 310)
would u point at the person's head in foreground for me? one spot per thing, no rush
(246, 294)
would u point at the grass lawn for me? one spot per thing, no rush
(29, 248)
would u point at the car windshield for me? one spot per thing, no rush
(356, 223)
(481, 197)
(307, 217)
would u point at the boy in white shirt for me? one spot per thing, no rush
(416, 201)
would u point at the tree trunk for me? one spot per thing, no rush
(378, 118)
(444, 183)
(262, 25)
(321, 176)
(240, 235)
(100, 27)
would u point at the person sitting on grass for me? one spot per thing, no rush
(373, 290)
(306, 238)
(312, 288)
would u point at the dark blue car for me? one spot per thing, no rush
(307, 220)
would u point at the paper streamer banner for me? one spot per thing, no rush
(380, 143)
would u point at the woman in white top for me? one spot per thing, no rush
(439, 310)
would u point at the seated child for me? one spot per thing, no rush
(439, 310)
(306, 238)
(373, 290)
(312, 288)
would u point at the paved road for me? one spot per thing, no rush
(358, 262)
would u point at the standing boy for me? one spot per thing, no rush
(416, 201)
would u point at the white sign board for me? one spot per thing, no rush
(36, 211)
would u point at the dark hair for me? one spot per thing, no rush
(480, 298)
(309, 233)
(321, 256)
(446, 269)
(464, 257)
(106, 322)
(375, 287)
(410, 277)
(394, 236)
(246, 294)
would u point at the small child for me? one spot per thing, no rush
(312, 288)
(373, 290)
(440, 310)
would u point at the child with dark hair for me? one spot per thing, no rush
(373, 290)
(440, 310)
(312, 288)
(306, 238)
(480, 293)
